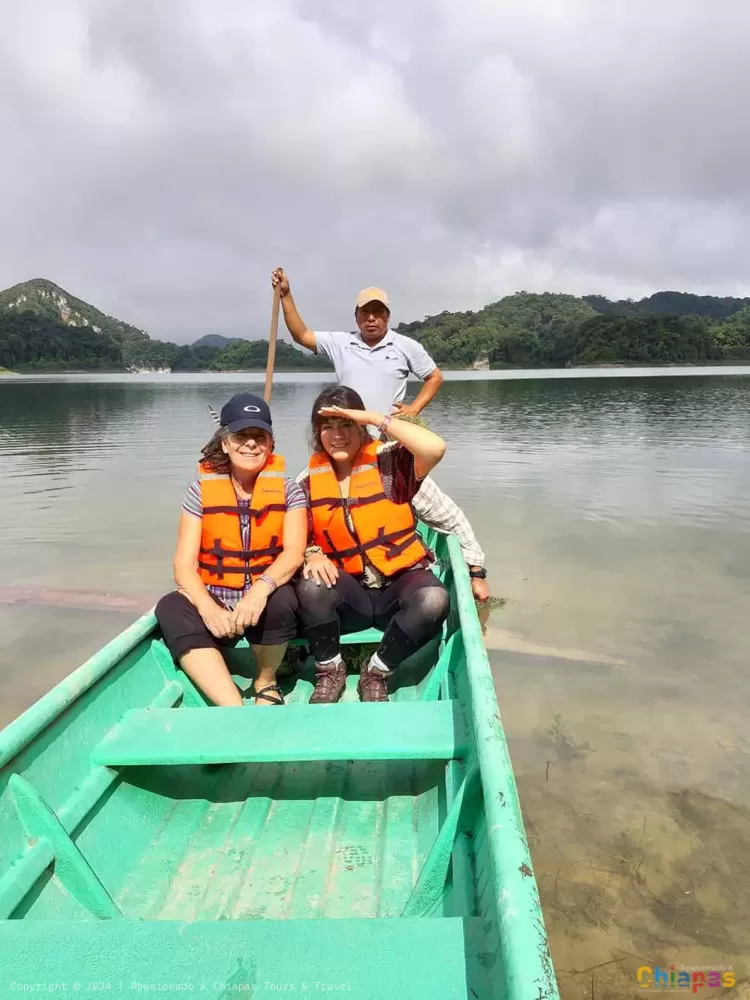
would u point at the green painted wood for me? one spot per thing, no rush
(527, 972)
(191, 696)
(366, 959)
(460, 899)
(308, 892)
(398, 731)
(398, 862)
(71, 868)
(451, 656)
(368, 636)
(428, 892)
(282, 836)
(38, 716)
(18, 880)
(233, 858)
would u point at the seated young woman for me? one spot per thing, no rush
(367, 564)
(241, 539)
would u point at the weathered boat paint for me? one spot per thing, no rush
(315, 849)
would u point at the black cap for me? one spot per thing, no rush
(246, 410)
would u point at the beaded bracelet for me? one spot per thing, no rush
(383, 426)
(267, 579)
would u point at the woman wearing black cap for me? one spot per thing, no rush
(241, 539)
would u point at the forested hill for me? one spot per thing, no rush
(670, 304)
(44, 328)
(528, 330)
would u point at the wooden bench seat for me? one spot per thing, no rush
(363, 959)
(431, 730)
(369, 636)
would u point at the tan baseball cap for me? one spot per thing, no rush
(372, 295)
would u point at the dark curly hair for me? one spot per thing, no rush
(337, 395)
(213, 455)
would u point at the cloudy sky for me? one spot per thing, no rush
(159, 159)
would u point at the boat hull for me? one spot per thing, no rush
(149, 838)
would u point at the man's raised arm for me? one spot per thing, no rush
(294, 322)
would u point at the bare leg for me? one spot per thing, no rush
(268, 659)
(208, 670)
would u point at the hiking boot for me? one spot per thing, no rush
(372, 685)
(329, 684)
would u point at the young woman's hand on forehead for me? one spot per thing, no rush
(356, 416)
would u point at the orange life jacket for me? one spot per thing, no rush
(384, 530)
(223, 561)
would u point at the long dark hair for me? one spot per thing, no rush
(336, 395)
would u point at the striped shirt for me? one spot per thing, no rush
(192, 504)
(438, 511)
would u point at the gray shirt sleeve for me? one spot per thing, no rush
(327, 344)
(420, 362)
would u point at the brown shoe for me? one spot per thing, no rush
(329, 684)
(372, 685)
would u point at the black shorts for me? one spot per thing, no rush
(184, 629)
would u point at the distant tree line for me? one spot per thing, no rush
(548, 330)
(524, 330)
(33, 342)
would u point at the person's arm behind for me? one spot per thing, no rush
(437, 510)
(440, 512)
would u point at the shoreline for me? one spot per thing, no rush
(612, 366)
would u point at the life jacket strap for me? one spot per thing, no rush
(258, 513)
(389, 541)
(333, 503)
(218, 569)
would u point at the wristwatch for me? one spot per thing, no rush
(478, 574)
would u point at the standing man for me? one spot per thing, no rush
(375, 361)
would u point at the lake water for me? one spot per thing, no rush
(613, 507)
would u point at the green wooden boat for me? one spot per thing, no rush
(151, 843)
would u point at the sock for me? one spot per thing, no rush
(377, 664)
(329, 664)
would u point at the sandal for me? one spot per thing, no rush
(271, 698)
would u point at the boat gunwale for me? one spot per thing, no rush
(47, 709)
(524, 944)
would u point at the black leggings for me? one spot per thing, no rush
(184, 629)
(410, 611)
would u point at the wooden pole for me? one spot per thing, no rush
(272, 344)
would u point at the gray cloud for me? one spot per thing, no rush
(159, 159)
